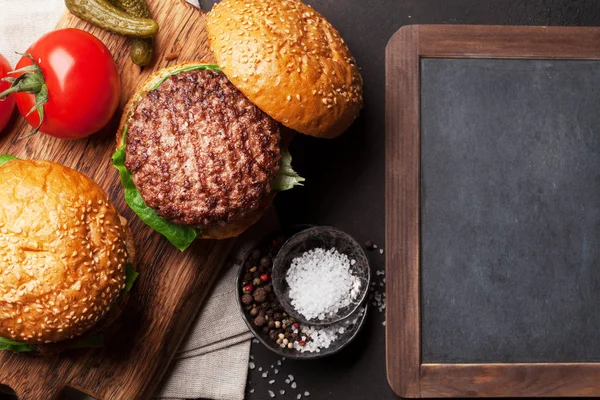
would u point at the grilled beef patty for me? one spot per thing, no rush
(200, 152)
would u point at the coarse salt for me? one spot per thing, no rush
(321, 337)
(321, 282)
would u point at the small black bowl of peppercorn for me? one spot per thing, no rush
(266, 317)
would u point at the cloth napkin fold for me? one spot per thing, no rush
(212, 361)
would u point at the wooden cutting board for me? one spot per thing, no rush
(171, 286)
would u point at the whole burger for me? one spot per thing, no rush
(200, 148)
(66, 257)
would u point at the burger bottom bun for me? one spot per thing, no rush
(237, 227)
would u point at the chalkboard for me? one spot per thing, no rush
(493, 211)
(510, 210)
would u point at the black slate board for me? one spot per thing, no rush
(510, 202)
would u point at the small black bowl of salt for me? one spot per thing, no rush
(321, 275)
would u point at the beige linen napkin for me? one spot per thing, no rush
(212, 360)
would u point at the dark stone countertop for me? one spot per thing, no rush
(345, 177)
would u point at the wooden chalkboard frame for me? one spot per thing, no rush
(407, 375)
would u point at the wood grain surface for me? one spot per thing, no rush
(171, 286)
(407, 375)
(403, 340)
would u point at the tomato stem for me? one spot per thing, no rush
(31, 81)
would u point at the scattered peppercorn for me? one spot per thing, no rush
(248, 289)
(254, 311)
(264, 277)
(256, 281)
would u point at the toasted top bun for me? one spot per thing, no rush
(289, 61)
(63, 252)
(232, 229)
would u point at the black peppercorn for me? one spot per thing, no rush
(267, 288)
(273, 335)
(277, 316)
(271, 324)
(260, 295)
(265, 262)
(247, 299)
(259, 321)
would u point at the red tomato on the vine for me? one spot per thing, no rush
(8, 104)
(82, 83)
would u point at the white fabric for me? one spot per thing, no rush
(213, 359)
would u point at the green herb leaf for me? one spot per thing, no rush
(4, 158)
(130, 276)
(287, 178)
(180, 236)
(19, 347)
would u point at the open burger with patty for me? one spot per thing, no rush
(199, 147)
(66, 258)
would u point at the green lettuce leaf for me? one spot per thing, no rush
(180, 236)
(130, 276)
(19, 347)
(204, 67)
(287, 177)
(4, 158)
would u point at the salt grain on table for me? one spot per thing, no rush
(271, 393)
(321, 282)
(251, 365)
(294, 385)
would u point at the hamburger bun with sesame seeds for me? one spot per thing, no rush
(64, 253)
(289, 61)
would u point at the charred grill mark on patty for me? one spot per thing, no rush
(200, 152)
